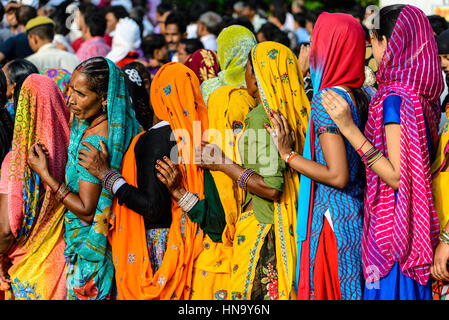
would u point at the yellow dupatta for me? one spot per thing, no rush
(281, 88)
(227, 109)
(440, 183)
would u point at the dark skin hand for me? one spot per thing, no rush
(334, 173)
(84, 204)
(212, 158)
(94, 160)
(6, 241)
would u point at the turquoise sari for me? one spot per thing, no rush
(90, 270)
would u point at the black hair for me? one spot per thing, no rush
(241, 21)
(251, 4)
(140, 99)
(312, 16)
(85, 7)
(164, 7)
(280, 14)
(60, 16)
(96, 22)
(151, 43)
(197, 9)
(300, 18)
(17, 89)
(282, 37)
(177, 18)
(25, 14)
(269, 30)
(361, 102)
(6, 123)
(192, 45)
(387, 20)
(96, 71)
(44, 32)
(16, 69)
(438, 23)
(2, 11)
(119, 12)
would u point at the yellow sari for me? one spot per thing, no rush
(281, 89)
(227, 110)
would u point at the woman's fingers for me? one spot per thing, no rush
(104, 148)
(285, 124)
(162, 179)
(89, 146)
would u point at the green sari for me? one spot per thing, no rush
(90, 271)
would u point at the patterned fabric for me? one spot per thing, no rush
(88, 255)
(157, 244)
(95, 47)
(234, 44)
(332, 65)
(228, 107)
(176, 98)
(204, 63)
(36, 218)
(404, 230)
(285, 95)
(62, 79)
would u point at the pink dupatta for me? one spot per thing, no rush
(405, 229)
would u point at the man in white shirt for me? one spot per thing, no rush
(40, 33)
(208, 26)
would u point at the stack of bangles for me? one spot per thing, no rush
(444, 236)
(188, 201)
(290, 156)
(371, 156)
(62, 192)
(244, 177)
(109, 179)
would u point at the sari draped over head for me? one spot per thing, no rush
(227, 110)
(332, 63)
(204, 63)
(91, 274)
(234, 44)
(408, 231)
(61, 77)
(176, 98)
(281, 88)
(36, 217)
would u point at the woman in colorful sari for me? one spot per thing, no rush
(100, 103)
(261, 230)
(234, 44)
(400, 227)
(29, 208)
(330, 204)
(204, 63)
(154, 242)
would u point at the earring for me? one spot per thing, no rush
(103, 108)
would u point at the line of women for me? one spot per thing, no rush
(233, 185)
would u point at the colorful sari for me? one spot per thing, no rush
(228, 107)
(402, 227)
(176, 98)
(330, 219)
(281, 89)
(234, 44)
(36, 217)
(90, 273)
(204, 63)
(61, 77)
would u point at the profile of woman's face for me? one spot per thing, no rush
(83, 102)
(379, 47)
(250, 79)
(9, 86)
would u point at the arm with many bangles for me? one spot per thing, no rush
(212, 158)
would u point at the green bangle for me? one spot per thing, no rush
(444, 236)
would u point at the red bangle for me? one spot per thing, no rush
(291, 156)
(359, 150)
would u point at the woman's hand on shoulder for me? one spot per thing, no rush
(170, 175)
(93, 160)
(281, 134)
(37, 159)
(338, 109)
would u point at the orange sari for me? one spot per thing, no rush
(176, 98)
